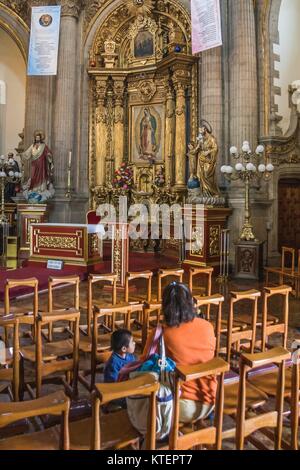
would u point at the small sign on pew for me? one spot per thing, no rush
(55, 264)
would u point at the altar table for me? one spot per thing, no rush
(75, 244)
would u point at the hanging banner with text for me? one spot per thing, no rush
(44, 40)
(206, 25)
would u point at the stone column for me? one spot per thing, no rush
(65, 96)
(180, 84)
(212, 95)
(243, 74)
(101, 133)
(119, 89)
(169, 135)
(37, 108)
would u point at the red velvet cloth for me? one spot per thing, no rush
(92, 218)
(137, 262)
(39, 170)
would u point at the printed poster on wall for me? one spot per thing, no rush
(206, 25)
(44, 40)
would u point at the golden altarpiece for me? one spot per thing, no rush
(143, 101)
(143, 105)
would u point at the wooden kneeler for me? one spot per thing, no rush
(133, 276)
(201, 272)
(10, 374)
(212, 435)
(31, 284)
(55, 438)
(269, 419)
(54, 357)
(66, 281)
(165, 273)
(114, 430)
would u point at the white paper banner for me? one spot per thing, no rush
(44, 40)
(206, 25)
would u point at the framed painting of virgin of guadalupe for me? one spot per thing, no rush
(147, 136)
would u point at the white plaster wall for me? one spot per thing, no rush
(13, 73)
(289, 51)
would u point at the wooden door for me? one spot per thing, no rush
(289, 213)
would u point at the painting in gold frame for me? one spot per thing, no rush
(147, 133)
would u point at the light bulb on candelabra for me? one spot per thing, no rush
(251, 167)
(246, 147)
(260, 149)
(270, 168)
(239, 167)
(233, 150)
(262, 168)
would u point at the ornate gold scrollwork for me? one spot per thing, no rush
(147, 90)
(60, 243)
(197, 241)
(214, 240)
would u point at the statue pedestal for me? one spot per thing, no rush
(29, 214)
(203, 236)
(249, 260)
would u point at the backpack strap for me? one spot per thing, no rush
(155, 342)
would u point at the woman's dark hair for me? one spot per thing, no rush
(119, 339)
(178, 304)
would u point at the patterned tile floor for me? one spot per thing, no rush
(82, 407)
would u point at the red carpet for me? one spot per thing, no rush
(137, 262)
(41, 273)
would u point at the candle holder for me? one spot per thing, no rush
(68, 194)
(224, 261)
(248, 169)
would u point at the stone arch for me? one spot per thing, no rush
(17, 33)
(2, 92)
(17, 29)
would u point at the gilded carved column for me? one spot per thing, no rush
(119, 89)
(180, 83)
(243, 73)
(65, 95)
(169, 134)
(100, 133)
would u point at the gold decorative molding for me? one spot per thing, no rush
(118, 90)
(61, 243)
(214, 240)
(147, 90)
(71, 7)
(197, 241)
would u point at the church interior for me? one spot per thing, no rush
(149, 225)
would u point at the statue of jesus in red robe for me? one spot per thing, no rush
(41, 172)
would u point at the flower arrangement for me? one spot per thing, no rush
(159, 179)
(123, 177)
